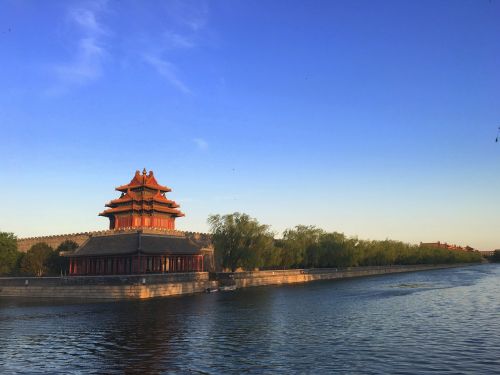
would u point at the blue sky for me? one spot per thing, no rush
(373, 118)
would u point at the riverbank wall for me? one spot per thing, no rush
(278, 277)
(163, 285)
(114, 287)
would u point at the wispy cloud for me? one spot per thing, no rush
(167, 70)
(86, 64)
(176, 40)
(201, 143)
(158, 49)
(86, 18)
(190, 14)
(186, 20)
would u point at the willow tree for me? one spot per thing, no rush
(240, 241)
(296, 243)
(8, 253)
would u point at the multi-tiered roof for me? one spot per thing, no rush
(143, 203)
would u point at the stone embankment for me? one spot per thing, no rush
(259, 278)
(163, 285)
(106, 287)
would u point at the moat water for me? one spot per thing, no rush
(442, 322)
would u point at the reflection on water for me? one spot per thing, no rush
(445, 321)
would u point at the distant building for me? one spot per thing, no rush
(488, 253)
(444, 245)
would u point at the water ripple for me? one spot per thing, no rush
(442, 322)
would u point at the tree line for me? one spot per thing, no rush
(241, 242)
(39, 260)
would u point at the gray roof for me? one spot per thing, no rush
(133, 243)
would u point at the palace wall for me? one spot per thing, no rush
(163, 285)
(24, 244)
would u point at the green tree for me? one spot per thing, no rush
(38, 260)
(296, 241)
(67, 246)
(240, 241)
(8, 253)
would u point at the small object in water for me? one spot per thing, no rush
(227, 288)
(211, 290)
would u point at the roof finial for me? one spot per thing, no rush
(144, 171)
